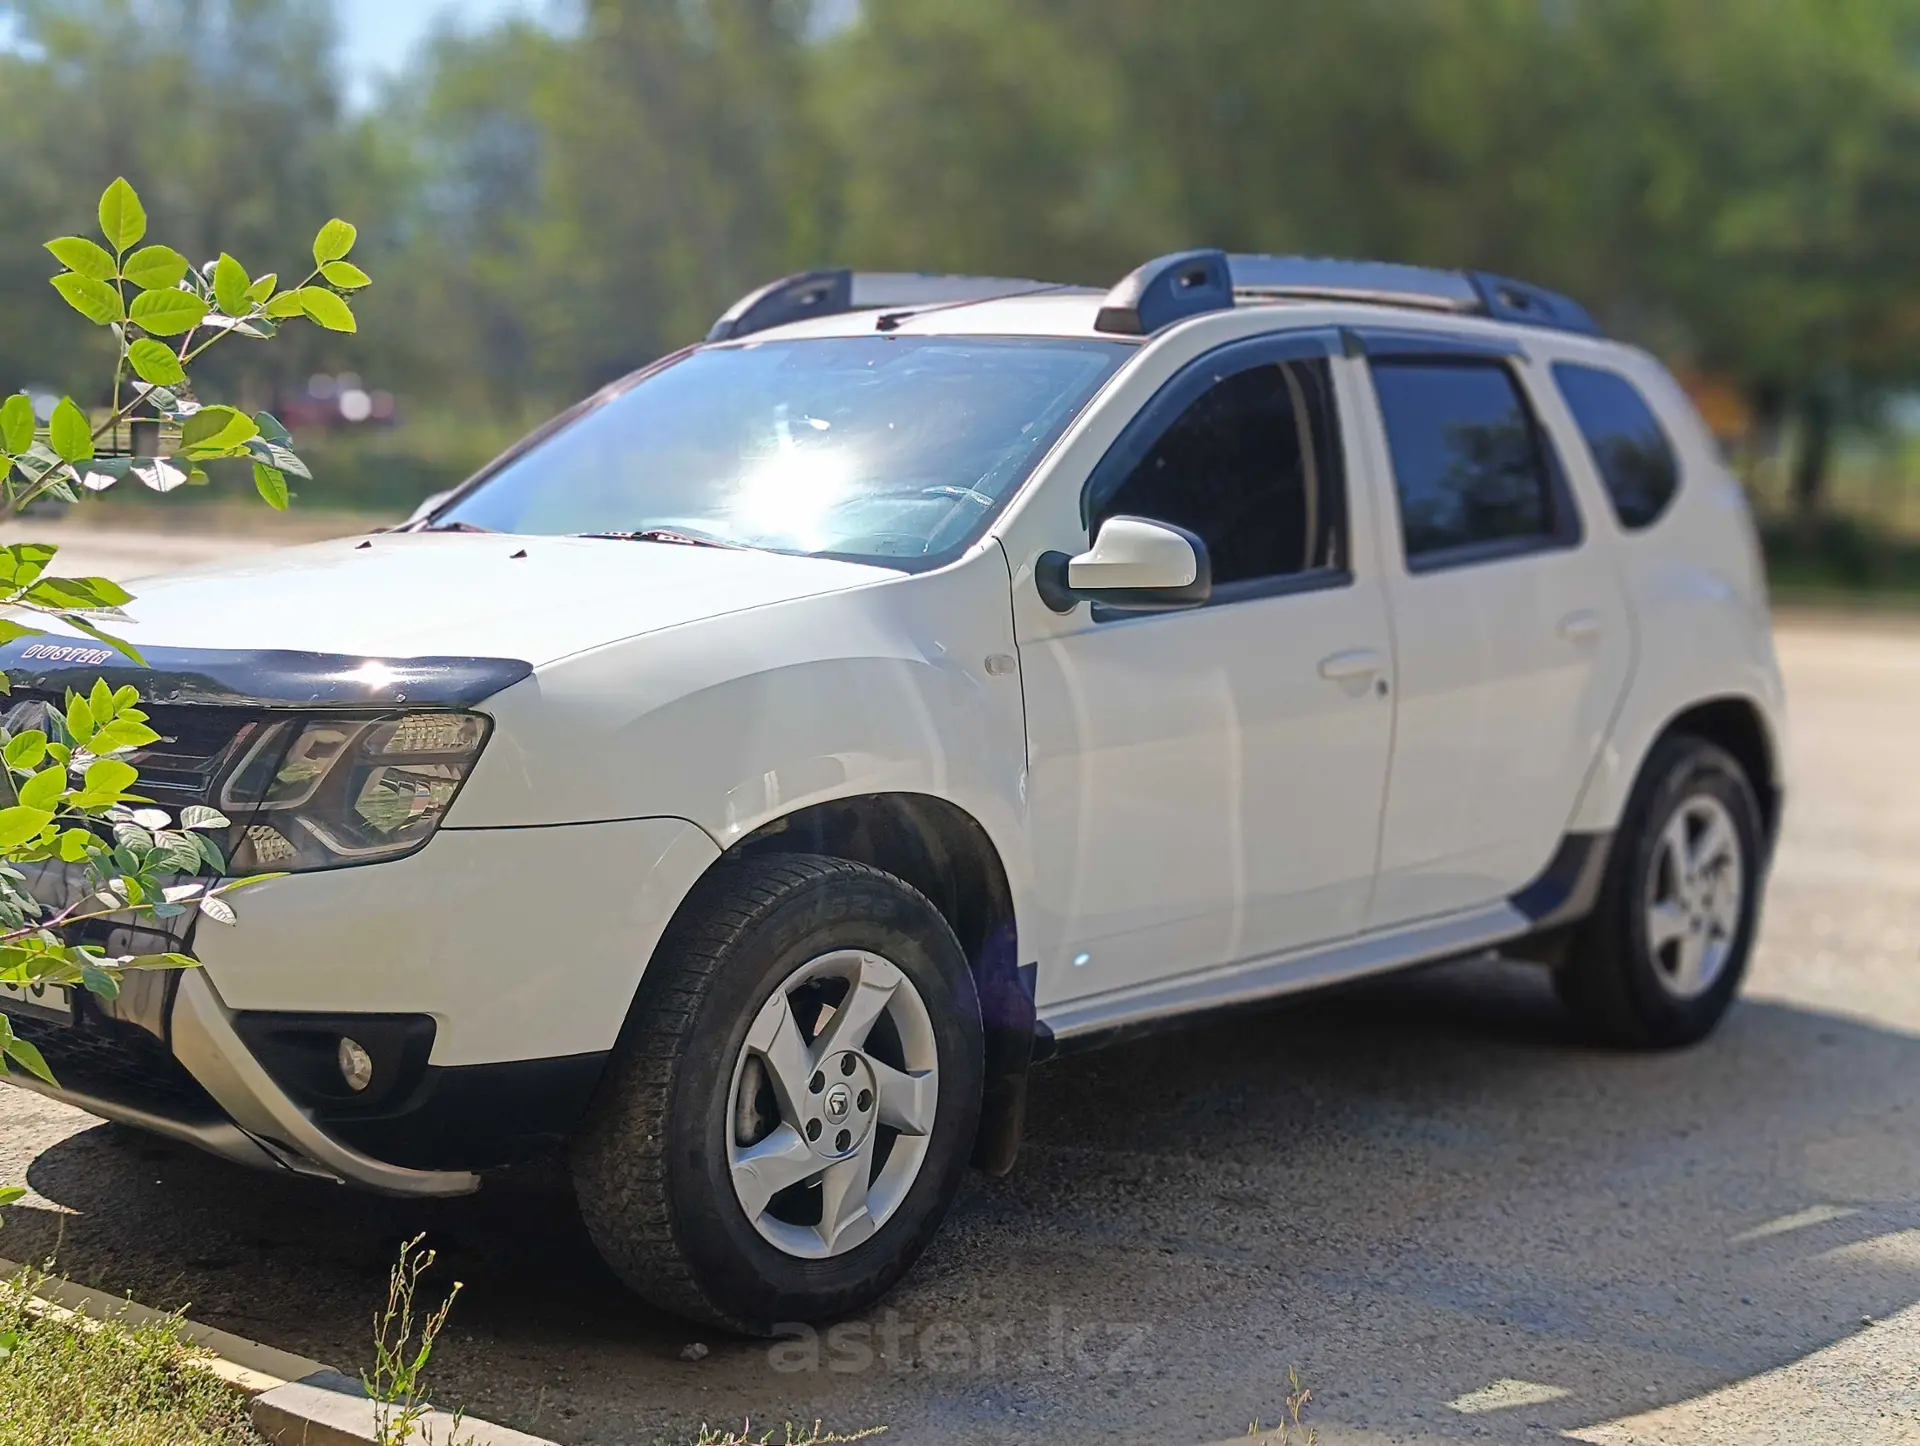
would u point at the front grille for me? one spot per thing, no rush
(127, 1066)
(197, 744)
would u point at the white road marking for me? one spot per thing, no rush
(1799, 1220)
(1504, 1394)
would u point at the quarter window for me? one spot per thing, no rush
(1630, 450)
(1252, 467)
(1468, 463)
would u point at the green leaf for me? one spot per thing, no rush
(26, 750)
(154, 361)
(155, 268)
(16, 424)
(69, 433)
(325, 308)
(213, 429)
(335, 240)
(98, 302)
(19, 824)
(79, 254)
(121, 734)
(345, 275)
(110, 775)
(271, 427)
(160, 961)
(76, 594)
(76, 845)
(263, 286)
(199, 815)
(99, 981)
(271, 483)
(7, 1196)
(168, 313)
(79, 719)
(10, 631)
(230, 283)
(44, 789)
(29, 1058)
(22, 562)
(286, 304)
(123, 220)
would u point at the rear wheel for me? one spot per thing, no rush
(793, 1102)
(1663, 954)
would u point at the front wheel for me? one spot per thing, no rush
(793, 1102)
(1662, 956)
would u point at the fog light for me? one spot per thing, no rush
(356, 1065)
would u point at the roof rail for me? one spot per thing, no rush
(809, 294)
(1186, 283)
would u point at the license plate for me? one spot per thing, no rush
(48, 1001)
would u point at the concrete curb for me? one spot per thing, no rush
(295, 1401)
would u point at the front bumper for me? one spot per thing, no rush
(515, 951)
(216, 1096)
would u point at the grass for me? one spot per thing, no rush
(69, 1381)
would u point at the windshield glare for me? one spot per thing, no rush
(888, 448)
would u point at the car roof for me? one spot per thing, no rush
(1071, 312)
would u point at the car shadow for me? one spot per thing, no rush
(1409, 1190)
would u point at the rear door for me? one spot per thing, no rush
(1511, 633)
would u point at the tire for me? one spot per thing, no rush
(682, 1115)
(1630, 980)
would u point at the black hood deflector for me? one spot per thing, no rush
(265, 678)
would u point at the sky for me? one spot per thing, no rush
(378, 36)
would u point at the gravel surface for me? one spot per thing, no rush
(1453, 1220)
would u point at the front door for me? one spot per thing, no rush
(1205, 786)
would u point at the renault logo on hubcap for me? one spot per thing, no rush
(838, 1102)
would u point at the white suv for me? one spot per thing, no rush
(745, 779)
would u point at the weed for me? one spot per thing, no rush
(1284, 1434)
(397, 1382)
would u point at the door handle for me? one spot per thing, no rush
(1354, 663)
(1580, 627)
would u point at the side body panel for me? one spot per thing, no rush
(1694, 580)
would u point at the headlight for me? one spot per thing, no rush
(316, 793)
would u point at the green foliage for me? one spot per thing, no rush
(67, 788)
(71, 1381)
(172, 301)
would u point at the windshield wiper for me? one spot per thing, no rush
(456, 527)
(666, 534)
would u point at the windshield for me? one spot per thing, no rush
(890, 448)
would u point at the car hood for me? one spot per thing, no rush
(405, 595)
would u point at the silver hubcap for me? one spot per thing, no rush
(1694, 897)
(833, 1103)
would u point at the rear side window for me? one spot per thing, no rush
(1469, 465)
(1629, 447)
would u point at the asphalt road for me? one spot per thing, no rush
(1454, 1221)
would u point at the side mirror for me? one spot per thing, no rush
(1134, 565)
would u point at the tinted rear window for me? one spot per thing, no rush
(1630, 449)
(1467, 463)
